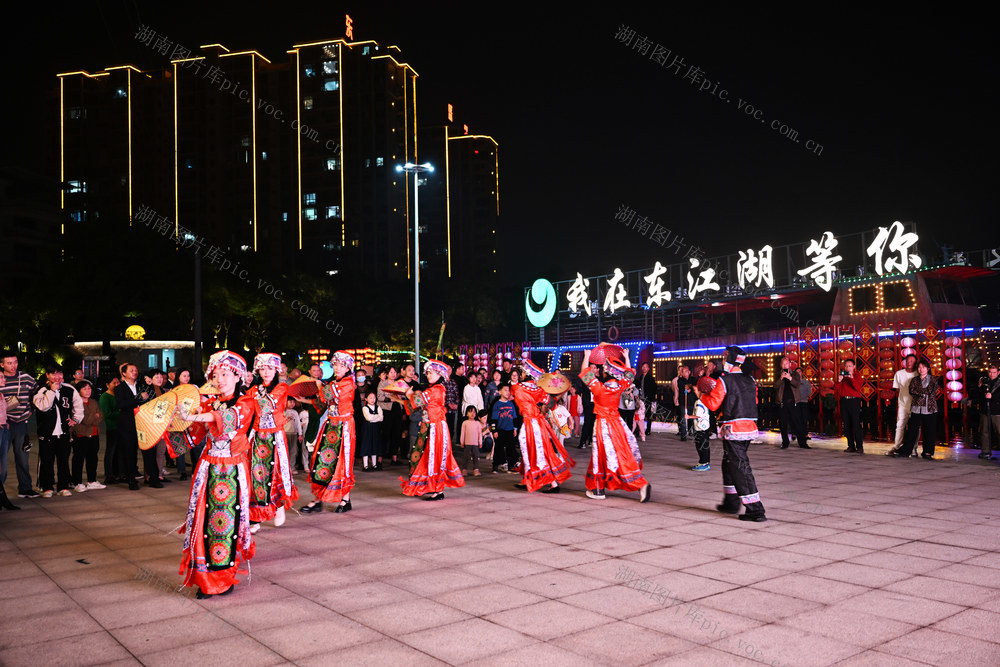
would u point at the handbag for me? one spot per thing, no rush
(12, 402)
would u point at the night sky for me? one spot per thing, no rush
(905, 107)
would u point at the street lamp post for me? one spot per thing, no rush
(416, 170)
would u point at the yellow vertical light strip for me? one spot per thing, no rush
(177, 209)
(253, 141)
(406, 181)
(447, 194)
(62, 149)
(497, 153)
(128, 93)
(340, 88)
(298, 135)
(415, 161)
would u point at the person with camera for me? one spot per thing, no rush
(989, 410)
(787, 389)
(850, 406)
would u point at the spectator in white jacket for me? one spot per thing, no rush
(58, 409)
(472, 395)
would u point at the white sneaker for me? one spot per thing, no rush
(47, 494)
(65, 492)
(80, 488)
(96, 485)
(279, 516)
(254, 527)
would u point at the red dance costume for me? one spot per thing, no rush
(271, 476)
(615, 462)
(217, 530)
(332, 463)
(544, 459)
(437, 467)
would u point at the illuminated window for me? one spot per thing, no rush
(76, 186)
(329, 67)
(897, 296)
(331, 84)
(245, 141)
(309, 198)
(354, 244)
(368, 162)
(332, 164)
(120, 93)
(309, 71)
(332, 212)
(864, 299)
(78, 113)
(307, 102)
(284, 216)
(378, 162)
(263, 155)
(309, 213)
(365, 51)
(78, 216)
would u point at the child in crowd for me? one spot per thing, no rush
(371, 438)
(293, 427)
(702, 424)
(563, 419)
(575, 408)
(487, 447)
(471, 441)
(86, 442)
(307, 450)
(503, 422)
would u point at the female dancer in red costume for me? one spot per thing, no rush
(437, 467)
(615, 462)
(272, 489)
(543, 458)
(217, 530)
(332, 475)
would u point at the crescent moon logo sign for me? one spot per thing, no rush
(542, 292)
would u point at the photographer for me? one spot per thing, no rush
(787, 389)
(850, 407)
(988, 394)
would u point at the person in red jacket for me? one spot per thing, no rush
(850, 407)
(736, 394)
(272, 489)
(332, 466)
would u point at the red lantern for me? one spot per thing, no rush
(846, 346)
(826, 364)
(953, 341)
(825, 345)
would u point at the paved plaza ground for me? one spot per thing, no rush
(866, 560)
